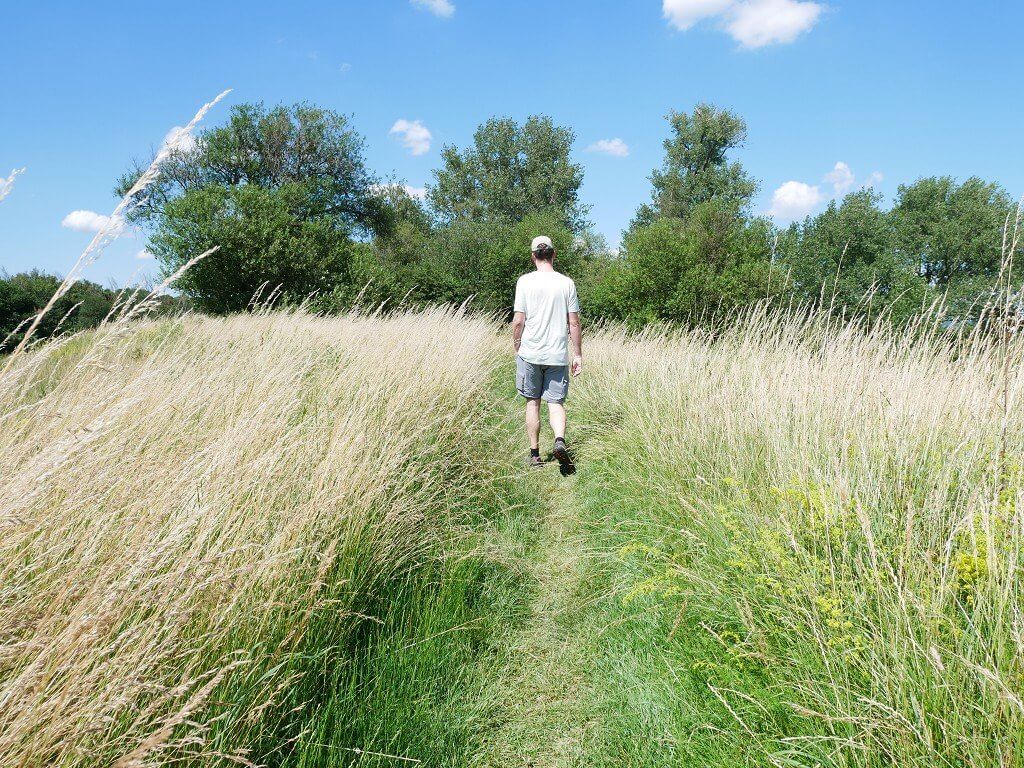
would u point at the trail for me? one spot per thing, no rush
(544, 702)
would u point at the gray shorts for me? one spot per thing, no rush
(548, 382)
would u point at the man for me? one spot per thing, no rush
(547, 317)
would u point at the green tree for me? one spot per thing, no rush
(483, 259)
(685, 270)
(282, 192)
(511, 171)
(696, 168)
(397, 264)
(846, 258)
(953, 234)
(22, 295)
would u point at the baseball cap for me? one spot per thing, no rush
(539, 241)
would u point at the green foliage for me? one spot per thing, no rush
(286, 196)
(24, 294)
(471, 260)
(846, 258)
(696, 167)
(511, 171)
(281, 191)
(267, 238)
(953, 234)
(684, 270)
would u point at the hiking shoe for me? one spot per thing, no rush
(535, 462)
(561, 453)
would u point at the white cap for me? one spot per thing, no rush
(539, 241)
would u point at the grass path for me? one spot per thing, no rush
(596, 675)
(545, 705)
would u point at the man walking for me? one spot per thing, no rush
(547, 318)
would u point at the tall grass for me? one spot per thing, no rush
(831, 517)
(205, 520)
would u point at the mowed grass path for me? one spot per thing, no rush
(591, 676)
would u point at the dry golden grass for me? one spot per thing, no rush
(185, 502)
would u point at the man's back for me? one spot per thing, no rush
(546, 298)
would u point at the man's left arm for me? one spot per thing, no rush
(518, 324)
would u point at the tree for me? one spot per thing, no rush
(696, 168)
(84, 306)
(713, 262)
(483, 259)
(511, 172)
(282, 192)
(846, 258)
(953, 234)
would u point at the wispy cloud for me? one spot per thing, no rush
(144, 256)
(6, 185)
(90, 221)
(751, 23)
(613, 147)
(413, 134)
(442, 8)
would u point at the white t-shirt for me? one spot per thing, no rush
(546, 298)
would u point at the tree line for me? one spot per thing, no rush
(286, 194)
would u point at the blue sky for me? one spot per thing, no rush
(892, 90)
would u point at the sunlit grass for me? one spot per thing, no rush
(825, 515)
(204, 520)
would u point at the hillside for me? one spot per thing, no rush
(286, 540)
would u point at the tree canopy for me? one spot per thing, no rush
(287, 197)
(281, 192)
(509, 172)
(696, 168)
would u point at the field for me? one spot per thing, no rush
(286, 540)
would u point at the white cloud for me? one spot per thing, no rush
(757, 23)
(344, 68)
(442, 8)
(752, 23)
(179, 140)
(841, 178)
(683, 14)
(90, 221)
(144, 255)
(413, 134)
(613, 147)
(795, 200)
(6, 185)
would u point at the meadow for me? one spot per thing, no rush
(290, 540)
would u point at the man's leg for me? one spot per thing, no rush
(556, 416)
(533, 422)
(556, 388)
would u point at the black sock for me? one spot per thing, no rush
(559, 439)
(535, 452)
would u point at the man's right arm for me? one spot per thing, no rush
(576, 337)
